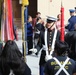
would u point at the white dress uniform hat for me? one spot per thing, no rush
(51, 19)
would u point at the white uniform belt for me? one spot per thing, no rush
(53, 43)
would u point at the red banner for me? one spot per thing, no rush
(7, 22)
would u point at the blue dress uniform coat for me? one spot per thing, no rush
(70, 37)
(72, 22)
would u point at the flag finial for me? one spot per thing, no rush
(61, 3)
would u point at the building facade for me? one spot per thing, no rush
(53, 7)
(46, 7)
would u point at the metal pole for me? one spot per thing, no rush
(24, 3)
(23, 33)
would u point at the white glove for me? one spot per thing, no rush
(47, 57)
(34, 50)
(38, 32)
(44, 47)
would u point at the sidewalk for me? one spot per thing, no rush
(31, 60)
(33, 63)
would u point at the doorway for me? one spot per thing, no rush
(32, 8)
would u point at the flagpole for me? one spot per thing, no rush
(62, 22)
(24, 4)
(23, 39)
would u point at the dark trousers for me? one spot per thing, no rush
(41, 70)
(30, 43)
(38, 46)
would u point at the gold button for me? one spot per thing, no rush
(49, 41)
(49, 44)
(50, 32)
(50, 38)
(50, 35)
(49, 48)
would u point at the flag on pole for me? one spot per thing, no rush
(10, 20)
(62, 23)
(7, 21)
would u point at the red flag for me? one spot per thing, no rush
(10, 20)
(7, 22)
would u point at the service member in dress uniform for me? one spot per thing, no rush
(60, 64)
(48, 38)
(71, 21)
(70, 37)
